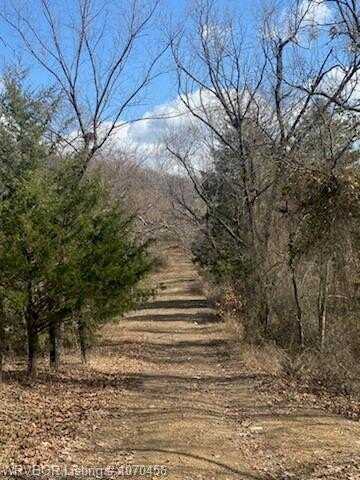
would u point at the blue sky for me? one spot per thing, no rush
(162, 92)
(163, 89)
(161, 97)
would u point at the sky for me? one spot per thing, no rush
(161, 97)
(163, 89)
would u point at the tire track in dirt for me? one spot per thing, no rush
(191, 406)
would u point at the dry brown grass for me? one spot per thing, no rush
(260, 359)
(265, 359)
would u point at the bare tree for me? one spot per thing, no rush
(101, 56)
(261, 98)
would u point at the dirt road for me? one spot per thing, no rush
(190, 406)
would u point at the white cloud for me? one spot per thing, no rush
(310, 13)
(147, 135)
(314, 12)
(217, 36)
(351, 93)
(173, 122)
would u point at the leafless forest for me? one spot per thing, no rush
(242, 205)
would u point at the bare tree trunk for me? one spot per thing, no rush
(33, 348)
(261, 310)
(265, 318)
(83, 340)
(322, 302)
(55, 345)
(300, 328)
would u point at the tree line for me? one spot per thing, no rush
(275, 211)
(71, 256)
(268, 148)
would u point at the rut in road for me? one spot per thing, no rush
(191, 406)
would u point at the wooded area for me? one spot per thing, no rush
(256, 176)
(276, 221)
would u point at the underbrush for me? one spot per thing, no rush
(330, 371)
(333, 373)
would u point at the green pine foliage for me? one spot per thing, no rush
(66, 246)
